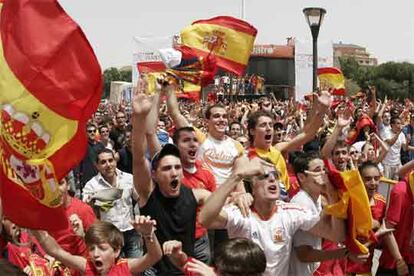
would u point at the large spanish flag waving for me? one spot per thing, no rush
(229, 39)
(333, 79)
(50, 84)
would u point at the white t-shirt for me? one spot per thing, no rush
(296, 267)
(385, 131)
(393, 157)
(275, 235)
(218, 155)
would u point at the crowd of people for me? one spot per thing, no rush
(228, 84)
(229, 188)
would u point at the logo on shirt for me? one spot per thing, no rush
(278, 235)
(218, 159)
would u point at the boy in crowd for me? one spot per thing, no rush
(104, 242)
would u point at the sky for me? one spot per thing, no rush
(385, 28)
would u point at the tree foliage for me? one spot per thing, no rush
(393, 79)
(113, 74)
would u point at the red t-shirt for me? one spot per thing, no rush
(67, 238)
(330, 267)
(204, 179)
(83, 210)
(120, 268)
(378, 213)
(21, 255)
(400, 213)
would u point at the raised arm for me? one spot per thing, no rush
(52, 248)
(172, 104)
(344, 119)
(381, 112)
(146, 227)
(211, 214)
(373, 103)
(384, 148)
(142, 176)
(312, 124)
(151, 126)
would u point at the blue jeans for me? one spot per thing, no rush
(132, 244)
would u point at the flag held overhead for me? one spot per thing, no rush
(229, 39)
(333, 79)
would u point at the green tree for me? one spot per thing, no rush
(113, 74)
(392, 79)
(351, 87)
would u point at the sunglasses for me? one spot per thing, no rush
(91, 130)
(316, 171)
(267, 175)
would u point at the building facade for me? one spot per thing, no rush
(359, 53)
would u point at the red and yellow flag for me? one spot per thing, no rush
(229, 39)
(353, 206)
(190, 91)
(50, 83)
(332, 78)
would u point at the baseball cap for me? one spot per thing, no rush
(167, 149)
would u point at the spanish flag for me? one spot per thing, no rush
(50, 83)
(332, 78)
(353, 206)
(229, 39)
(190, 91)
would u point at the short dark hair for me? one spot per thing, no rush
(253, 119)
(340, 144)
(103, 150)
(234, 123)
(104, 232)
(278, 126)
(394, 119)
(365, 165)
(241, 257)
(302, 160)
(177, 133)
(91, 125)
(102, 126)
(207, 114)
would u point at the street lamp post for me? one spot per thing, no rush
(314, 17)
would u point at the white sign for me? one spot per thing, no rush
(146, 51)
(304, 64)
